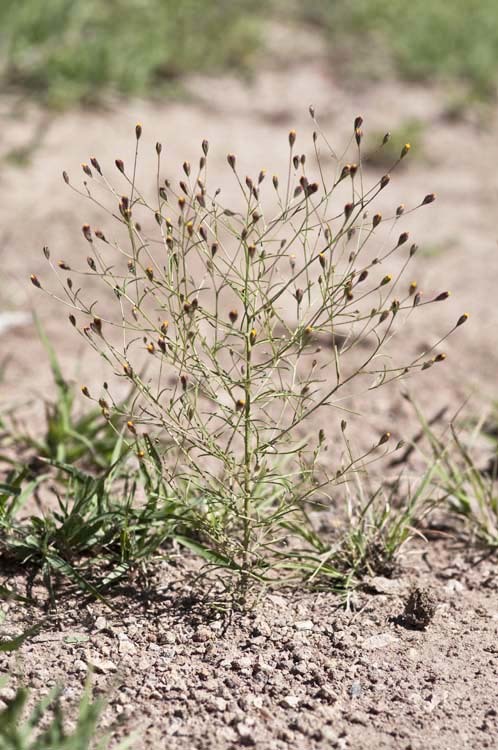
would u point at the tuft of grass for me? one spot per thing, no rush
(44, 725)
(67, 51)
(68, 438)
(467, 488)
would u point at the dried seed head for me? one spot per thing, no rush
(205, 147)
(214, 249)
(158, 218)
(183, 186)
(95, 164)
(348, 210)
(404, 150)
(251, 250)
(159, 148)
(345, 171)
(186, 168)
(363, 275)
(100, 234)
(386, 138)
(462, 319)
(430, 198)
(86, 169)
(358, 134)
(400, 210)
(440, 357)
(34, 281)
(377, 218)
(120, 165)
(87, 232)
(321, 436)
(358, 122)
(138, 130)
(96, 326)
(46, 252)
(384, 438)
(322, 260)
(416, 299)
(162, 345)
(311, 189)
(231, 159)
(91, 263)
(181, 203)
(383, 316)
(72, 320)
(442, 296)
(240, 404)
(233, 315)
(183, 381)
(261, 176)
(149, 272)
(292, 138)
(402, 238)
(384, 180)
(65, 177)
(311, 110)
(299, 295)
(413, 250)
(249, 183)
(85, 391)
(295, 161)
(388, 278)
(62, 264)
(274, 179)
(344, 424)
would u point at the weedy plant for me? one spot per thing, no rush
(237, 326)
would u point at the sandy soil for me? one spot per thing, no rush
(297, 671)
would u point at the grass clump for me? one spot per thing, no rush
(44, 725)
(70, 51)
(468, 490)
(237, 323)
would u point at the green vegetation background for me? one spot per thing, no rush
(68, 51)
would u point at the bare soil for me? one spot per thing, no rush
(296, 671)
(299, 670)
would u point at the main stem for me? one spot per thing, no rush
(246, 542)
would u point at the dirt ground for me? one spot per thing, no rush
(298, 671)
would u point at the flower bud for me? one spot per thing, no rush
(138, 130)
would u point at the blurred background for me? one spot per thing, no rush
(76, 75)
